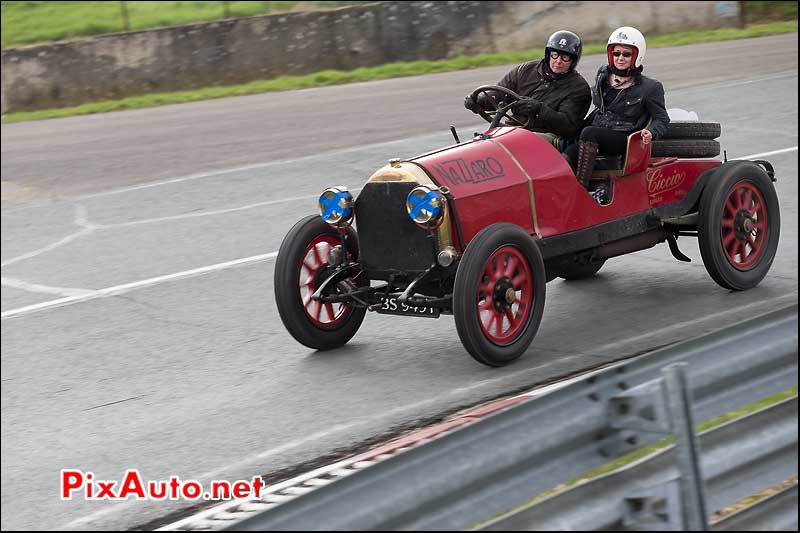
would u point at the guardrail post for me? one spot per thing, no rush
(687, 448)
(655, 508)
(662, 405)
(644, 408)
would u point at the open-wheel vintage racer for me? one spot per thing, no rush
(478, 228)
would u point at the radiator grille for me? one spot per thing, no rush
(388, 239)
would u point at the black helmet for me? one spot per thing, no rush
(566, 42)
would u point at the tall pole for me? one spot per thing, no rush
(742, 15)
(126, 24)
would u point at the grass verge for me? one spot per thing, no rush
(392, 70)
(27, 22)
(41, 22)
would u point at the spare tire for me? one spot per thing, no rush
(685, 148)
(693, 130)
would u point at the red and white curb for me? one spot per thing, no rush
(227, 513)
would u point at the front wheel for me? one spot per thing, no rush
(498, 295)
(301, 266)
(739, 226)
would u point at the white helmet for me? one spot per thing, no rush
(628, 36)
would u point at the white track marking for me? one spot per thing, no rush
(122, 289)
(46, 289)
(98, 514)
(119, 289)
(211, 213)
(309, 197)
(725, 85)
(257, 460)
(88, 227)
(257, 166)
(200, 271)
(49, 247)
(283, 448)
(218, 212)
(607, 348)
(765, 154)
(81, 220)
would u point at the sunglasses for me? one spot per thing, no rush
(623, 54)
(566, 58)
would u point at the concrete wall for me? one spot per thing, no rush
(240, 50)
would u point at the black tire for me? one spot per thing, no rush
(685, 148)
(344, 320)
(723, 234)
(496, 248)
(692, 130)
(581, 271)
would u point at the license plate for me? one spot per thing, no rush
(390, 306)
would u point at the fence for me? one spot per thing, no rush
(468, 477)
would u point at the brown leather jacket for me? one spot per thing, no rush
(565, 100)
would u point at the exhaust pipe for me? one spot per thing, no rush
(642, 241)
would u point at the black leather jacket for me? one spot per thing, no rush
(565, 101)
(632, 108)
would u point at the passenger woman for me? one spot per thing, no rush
(625, 101)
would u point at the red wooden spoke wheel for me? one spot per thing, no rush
(300, 269)
(313, 268)
(744, 224)
(505, 295)
(498, 294)
(739, 225)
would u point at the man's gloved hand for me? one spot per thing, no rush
(527, 107)
(475, 105)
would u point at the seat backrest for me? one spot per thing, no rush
(637, 155)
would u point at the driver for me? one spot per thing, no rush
(555, 98)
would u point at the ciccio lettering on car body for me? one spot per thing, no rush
(657, 183)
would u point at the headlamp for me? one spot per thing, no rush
(426, 206)
(336, 206)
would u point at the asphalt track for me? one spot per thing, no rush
(139, 328)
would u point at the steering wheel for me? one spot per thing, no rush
(494, 116)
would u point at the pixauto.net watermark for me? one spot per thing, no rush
(84, 485)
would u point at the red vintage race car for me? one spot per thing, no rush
(478, 228)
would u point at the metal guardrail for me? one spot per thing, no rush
(776, 513)
(473, 474)
(739, 458)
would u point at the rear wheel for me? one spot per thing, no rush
(301, 266)
(498, 295)
(739, 226)
(581, 271)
